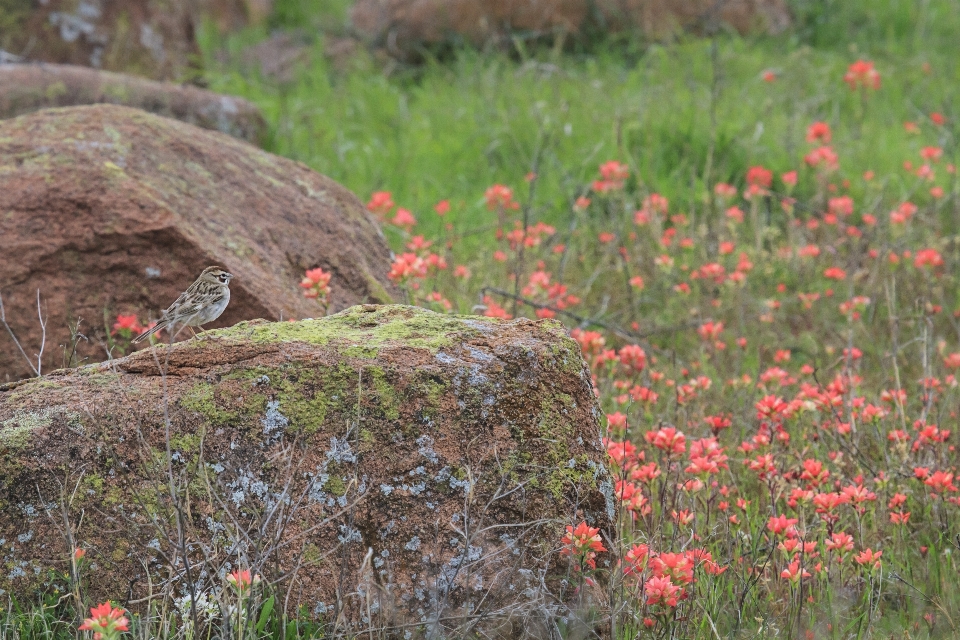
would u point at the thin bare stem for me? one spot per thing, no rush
(3, 319)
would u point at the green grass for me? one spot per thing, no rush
(449, 129)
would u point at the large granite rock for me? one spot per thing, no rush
(384, 466)
(108, 210)
(25, 88)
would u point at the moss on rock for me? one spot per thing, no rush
(363, 328)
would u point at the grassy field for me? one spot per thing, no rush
(682, 115)
(759, 260)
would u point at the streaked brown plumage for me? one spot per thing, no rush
(201, 303)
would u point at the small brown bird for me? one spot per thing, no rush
(201, 303)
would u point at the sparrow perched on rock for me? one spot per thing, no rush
(201, 303)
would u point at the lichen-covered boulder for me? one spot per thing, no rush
(25, 88)
(109, 210)
(383, 466)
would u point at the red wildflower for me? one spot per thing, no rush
(770, 407)
(317, 283)
(676, 566)
(710, 330)
(718, 422)
(633, 358)
(105, 621)
(645, 472)
(128, 325)
(841, 542)
(500, 196)
(667, 439)
(782, 525)
(636, 559)
(583, 543)
(823, 156)
(862, 74)
(623, 452)
(614, 175)
(818, 131)
(813, 472)
(835, 273)
(493, 310)
(407, 266)
(242, 580)
(381, 203)
(928, 258)
(899, 518)
(403, 219)
(760, 177)
(661, 591)
(793, 573)
(940, 482)
(724, 190)
(867, 556)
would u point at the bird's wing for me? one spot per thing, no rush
(217, 299)
(175, 307)
(178, 313)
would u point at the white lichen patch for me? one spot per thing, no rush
(348, 534)
(246, 483)
(457, 567)
(274, 423)
(425, 449)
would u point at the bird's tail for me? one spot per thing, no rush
(147, 334)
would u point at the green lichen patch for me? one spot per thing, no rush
(27, 389)
(186, 442)
(220, 406)
(386, 396)
(364, 328)
(15, 432)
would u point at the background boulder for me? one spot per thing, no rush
(25, 88)
(107, 210)
(152, 38)
(404, 26)
(386, 463)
